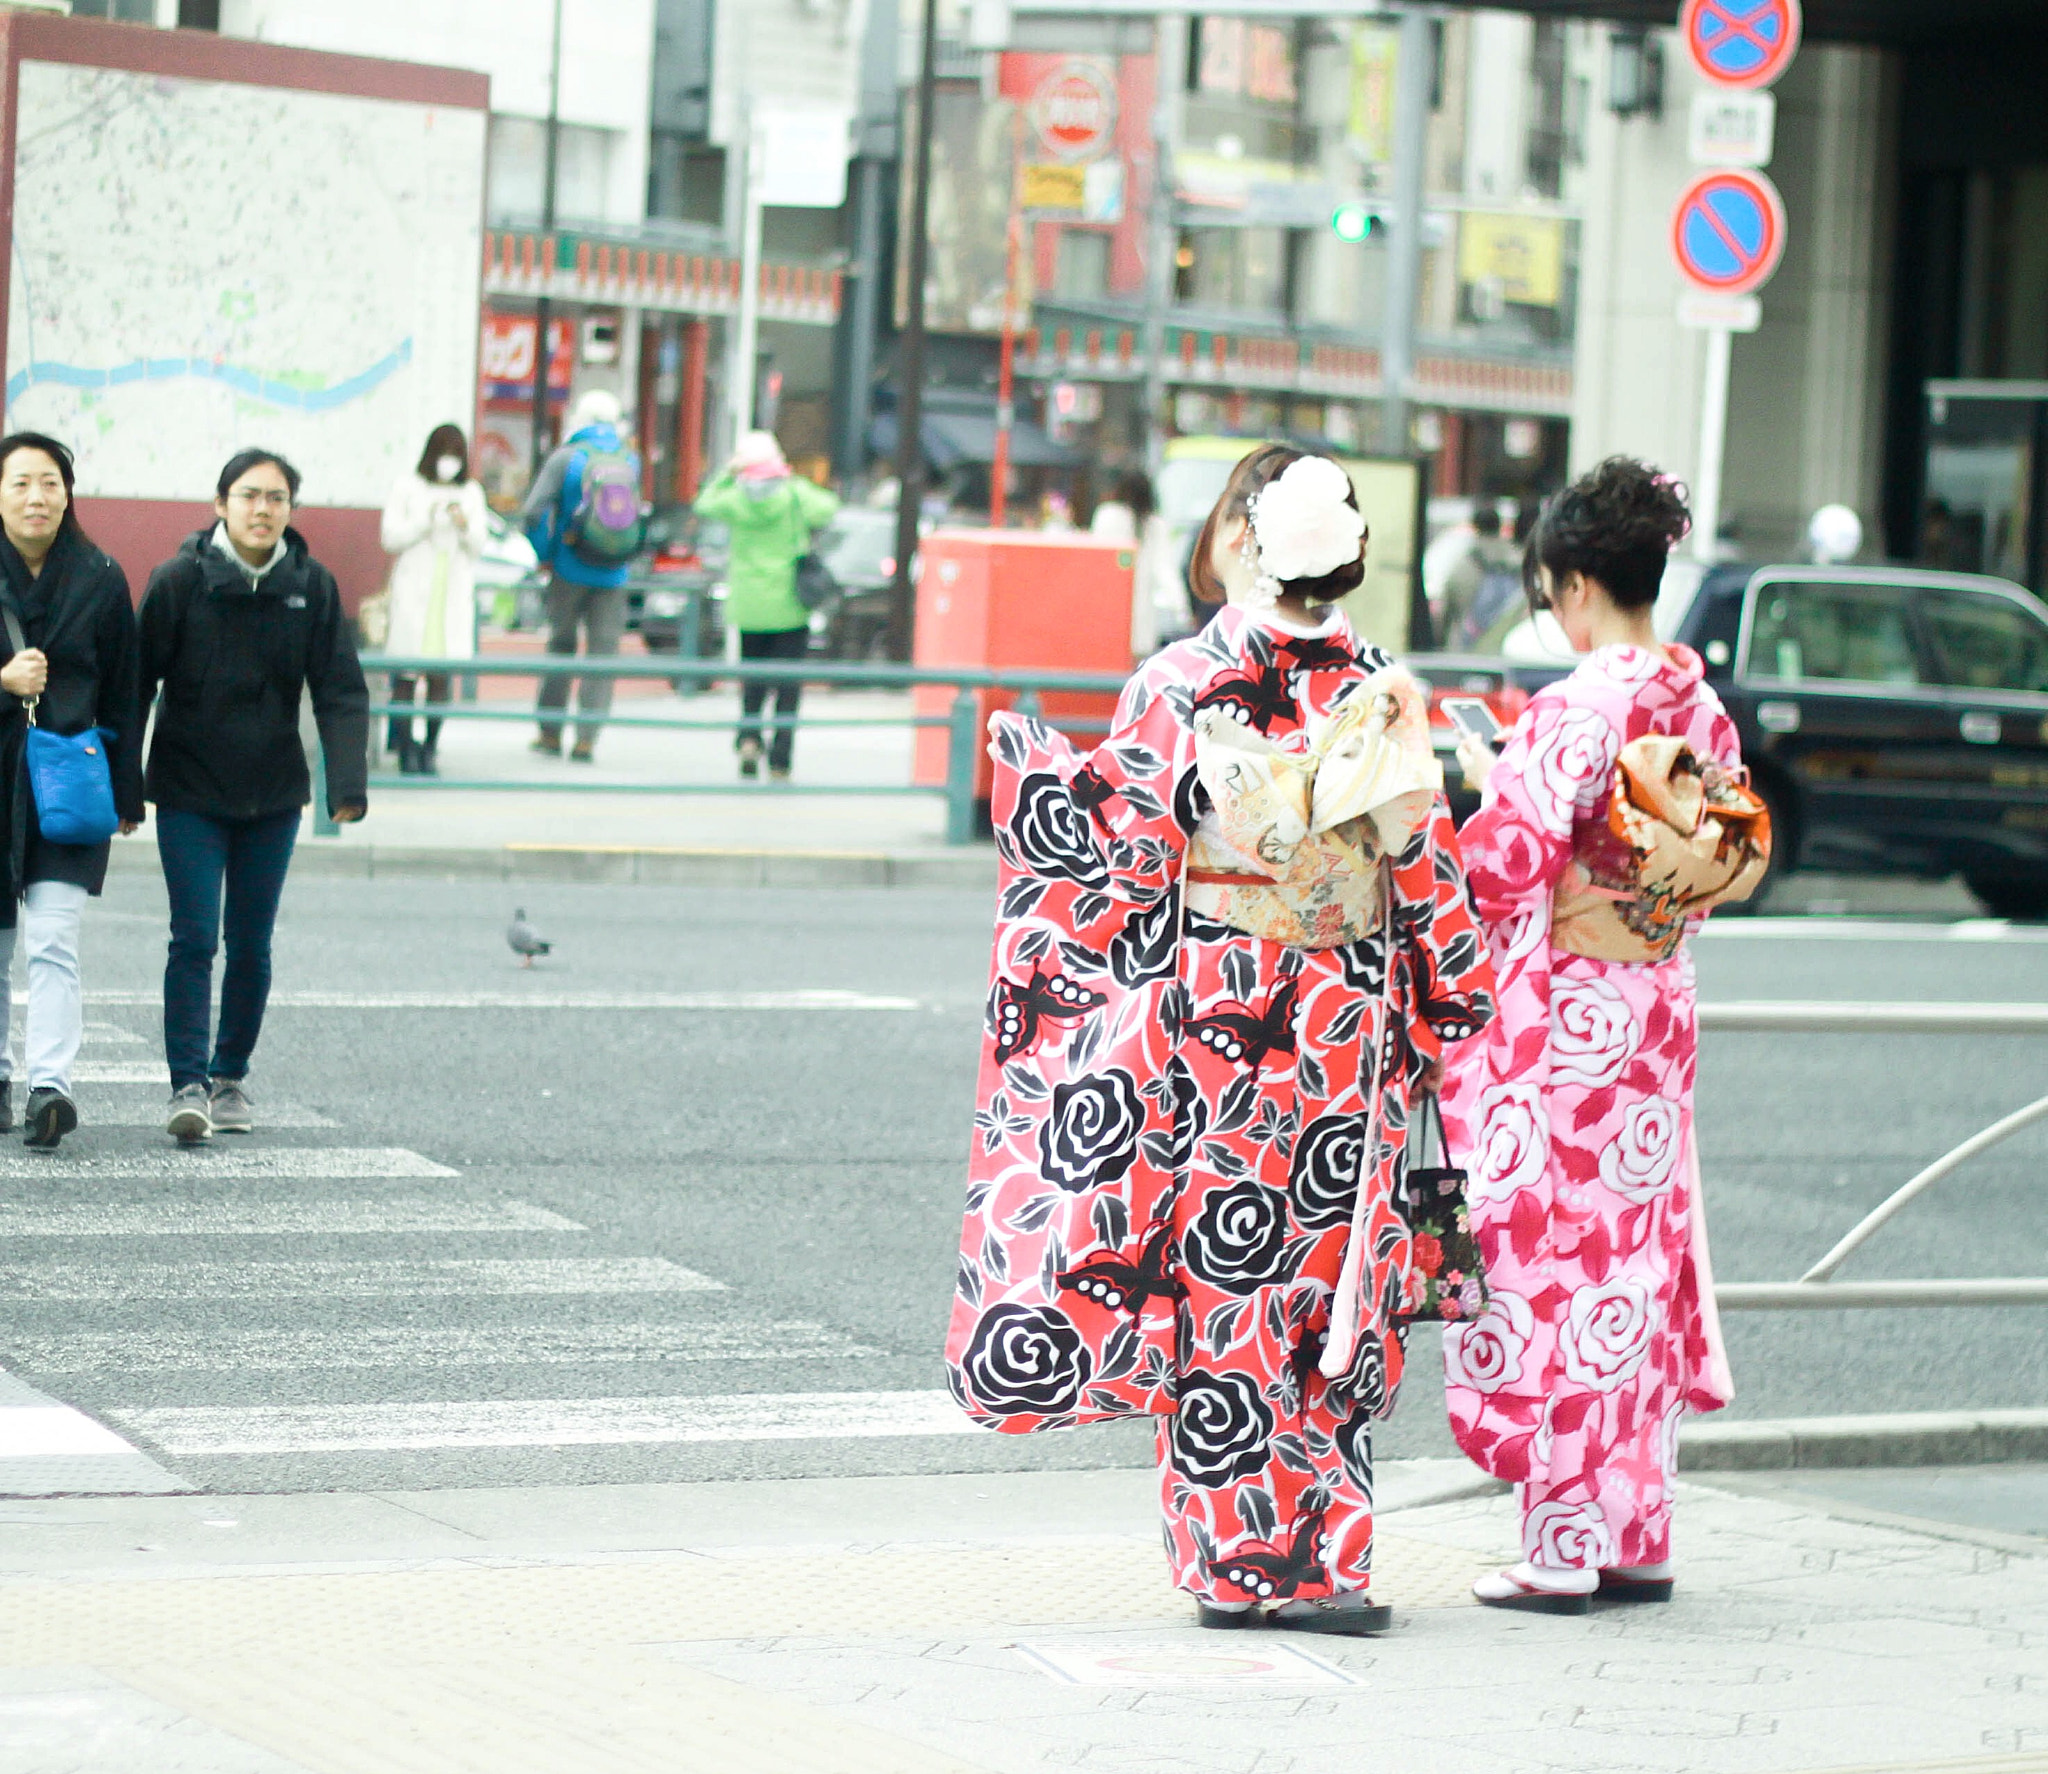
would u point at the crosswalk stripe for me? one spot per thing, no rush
(49, 1449)
(111, 1281)
(97, 1110)
(88, 1071)
(161, 1219)
(813, 999)
(208, 1350)
(219, 1160)
(184, 1432)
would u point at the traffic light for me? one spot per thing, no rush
(1353, 222)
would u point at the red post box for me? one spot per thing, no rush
(1032, 600)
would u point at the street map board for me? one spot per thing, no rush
(218, 243)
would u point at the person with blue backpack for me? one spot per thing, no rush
(584, 516)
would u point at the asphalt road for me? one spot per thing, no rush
(543, 1224)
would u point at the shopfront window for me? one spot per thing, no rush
(1242, 269)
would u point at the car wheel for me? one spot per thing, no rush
(2012, 896)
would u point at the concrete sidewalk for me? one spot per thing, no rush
(984, 1624)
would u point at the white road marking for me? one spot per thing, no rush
(1831, 929)
(832, 999)
(220, 1160)
(88, 1071)
(544, 1422)
(53, 1432)
(48, 1449)
(209, 1350)
(105, 1282)
(172, 1219)
(95, 1110)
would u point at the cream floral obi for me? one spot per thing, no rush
(1292, 847)
(1682, 835)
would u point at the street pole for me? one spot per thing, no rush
(1414, 74)
(910, 402)
(746, 348)
(1163, 223)
(1006, 372)
(541, 355)
(1706, 496)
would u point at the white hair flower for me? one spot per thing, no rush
(1304, 521)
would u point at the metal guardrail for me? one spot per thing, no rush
(962, 721)
(1817, 1289)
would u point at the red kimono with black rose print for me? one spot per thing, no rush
(1576, 1112)
(1172, 1127)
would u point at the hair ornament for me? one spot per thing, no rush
(1303, 525)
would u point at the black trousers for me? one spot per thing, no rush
(773, 643)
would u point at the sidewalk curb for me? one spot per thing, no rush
(972, 868)
(1919, 1438)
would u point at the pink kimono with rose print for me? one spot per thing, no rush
(1573, 1113)
(1172, 1125)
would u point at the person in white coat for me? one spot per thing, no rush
(434, 523)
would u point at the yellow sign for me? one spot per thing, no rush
(1523, 255)
(1373, 52)
(1056, 187)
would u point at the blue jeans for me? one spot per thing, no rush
(202, 855)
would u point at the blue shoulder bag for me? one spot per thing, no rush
(67, 773)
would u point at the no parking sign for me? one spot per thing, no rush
(1728, 231)
(1742, 43)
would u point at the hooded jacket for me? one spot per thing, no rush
(77, 611)
(231, 658)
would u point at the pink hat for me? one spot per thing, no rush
(759, 457)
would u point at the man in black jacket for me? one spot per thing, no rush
(234, 626)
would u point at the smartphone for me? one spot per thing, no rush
(1472, 718)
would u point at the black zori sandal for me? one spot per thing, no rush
(1503, 1589)
(1352, 1612)
(1614, 1587)
(1224, 1619)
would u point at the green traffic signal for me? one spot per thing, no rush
(1352, 222)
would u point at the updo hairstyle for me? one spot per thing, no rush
(1617, 524)
(1267, 463)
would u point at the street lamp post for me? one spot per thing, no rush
(541, 355)
(910, 400)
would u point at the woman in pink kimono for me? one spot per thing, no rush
(1614, 816)
(1229, 942)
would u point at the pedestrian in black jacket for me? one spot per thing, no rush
(69, 604)
(234, 626)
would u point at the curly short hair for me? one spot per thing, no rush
(1617, 525)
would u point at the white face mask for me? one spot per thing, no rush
(447, 467)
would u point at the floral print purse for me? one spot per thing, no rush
(1446, 1275)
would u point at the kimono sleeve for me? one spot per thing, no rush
(1516, 847)
(1450, 974)
(1114, 820)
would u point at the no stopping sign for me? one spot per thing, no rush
(1728, 231)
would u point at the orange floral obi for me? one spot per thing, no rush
(1682, 835)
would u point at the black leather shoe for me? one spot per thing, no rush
(6, 1104)
(49, 1117)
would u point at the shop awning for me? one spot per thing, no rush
(953, 438)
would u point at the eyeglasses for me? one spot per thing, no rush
(261, 496)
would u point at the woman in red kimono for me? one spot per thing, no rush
(1614, 818)
(1229, 943)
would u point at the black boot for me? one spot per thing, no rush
(408, 757)
(428, 762)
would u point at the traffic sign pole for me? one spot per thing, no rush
(1706, 492)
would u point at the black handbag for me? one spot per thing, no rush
(1444, 1257)
(815, 586)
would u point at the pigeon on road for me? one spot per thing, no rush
(525, 940)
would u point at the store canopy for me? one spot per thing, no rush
(953, 438)
(1839, 21)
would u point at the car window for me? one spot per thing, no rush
(1982, 642)
(1858, 634)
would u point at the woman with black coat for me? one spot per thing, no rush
(70, 652)
(234, 626)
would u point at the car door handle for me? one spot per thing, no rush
(1778, 717)
(1980, 728)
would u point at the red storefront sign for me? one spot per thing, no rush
(506, 370)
